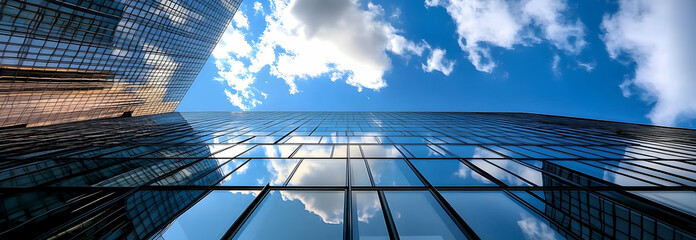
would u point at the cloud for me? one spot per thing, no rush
(258, 7)
(658, 37)
(482, 24)
(306, 39)
(240, 20)
(554, 64)
(587, 66)
(437, 62)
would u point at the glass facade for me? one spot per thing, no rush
(347, 175)
(70, 60)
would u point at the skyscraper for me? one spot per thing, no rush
(70, 60)
(347, 175)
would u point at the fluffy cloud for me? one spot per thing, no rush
(659, 37)
(306, 39)
(437, 62)
(485, 23)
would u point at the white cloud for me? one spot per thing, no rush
(659, 37)
(554, 64)
(437, 62)
(485, 23)
(258, 7)
(589, 66)
(324, 37)
(240, 20)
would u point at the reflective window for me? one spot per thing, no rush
(392, 172)
(296, 215)
(259, 172)
(303, 139)
(334, 139)
(230, 152)
(320, 151)
(368, 218)
(422, 151)
(362, 139)
(355, 152)
(417, 215)
(320, 172)
(358, 173)
(380, 151)
(219, 210)
(494, 215)
(470, 151)
(499, 173)
(270, 151)
(450, 173)
(684, 201)
(340, 151)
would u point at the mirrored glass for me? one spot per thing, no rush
(422, 151)
(684, 201)
(270, 151)
(211, 217)
(450, 173)
(318, 151)
(499, 173)
(392, 172)
(380, 151)
(320, 172)
(417, 215)
(368, 218)
(259, 172)
(358, 173)
(303, 139)
(296, 215)
(494, 215)
(470, 151)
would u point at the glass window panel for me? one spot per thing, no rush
(470, 151)
(340, 151)
(609, 176)
(368, 219)
(303, 139)
(270, 151)
(450, 173)
(362, 139)
(296, 215)
(264, 139)
(380, 151)
(499, 173)
(358, 171)
(408, 140)
(684, 201)
(320, 172)
(259, 172)
(219, 210)
(494, 215)
(527, 152)
(228, 152)
(320, 151)
(552, 153)
(417, 215)
(422, 151)
(520, 170)
(355, 151)
(221, 172)
(392, 172)
(629, 172)
(334, 139)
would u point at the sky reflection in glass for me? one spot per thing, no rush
(368, 219)
(450, 173)
(494, 215)
(259, 172)
(392, 172)
(302, 215)
(417, 215)
(320, 172)
(218, 211)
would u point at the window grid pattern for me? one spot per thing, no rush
(71, 60)
(351, 174)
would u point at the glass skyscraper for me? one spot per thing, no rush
(347, 175)
(70, 60)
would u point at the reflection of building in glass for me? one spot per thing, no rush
(64, 61)
(358, 175)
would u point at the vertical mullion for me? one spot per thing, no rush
(391, 227)
(246, 213)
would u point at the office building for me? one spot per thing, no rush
(70, 60)
(347, 175)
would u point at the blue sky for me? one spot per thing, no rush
(623, 61)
